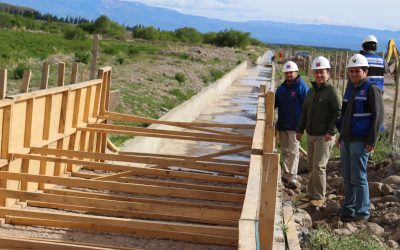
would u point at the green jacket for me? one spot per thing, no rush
(320, 111)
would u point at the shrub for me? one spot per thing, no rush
(82, 56)
(180, 77)
(189, 35)
(71, 33)
(18, 72)
(120, 60)
(216, 74)
(148, 33)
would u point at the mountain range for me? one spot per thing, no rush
(133, 13)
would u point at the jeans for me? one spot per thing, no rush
(354, 158)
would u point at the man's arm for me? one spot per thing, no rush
(375, 103)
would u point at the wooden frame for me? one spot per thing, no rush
(49, 136)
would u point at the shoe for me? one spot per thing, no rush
(317, 202)
(347, 218)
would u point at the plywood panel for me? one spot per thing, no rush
(18, 126)
(38, 119)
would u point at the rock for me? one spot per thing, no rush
(396, 235)
(390, 218)
(332, 207)
(376, 200)
(390, 198)
(351, 227)
(290, 192)
(375, 229)
(305, 217)
(394, 179)
(336, 182)
(344, 232)
(387, 189)
(375, 189)
(396, 193)
(302, 168)
(372, 207)
(376, 220)
(332, 166)
(393, 244)
(331, 196)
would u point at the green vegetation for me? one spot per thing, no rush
(383, 148)
(180, 77)
(323, 238)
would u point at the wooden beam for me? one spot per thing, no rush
(74, 73)
(26, 79)
(39, 244)
(69, 192)
(45, 76)
(3, 83)
(132, 118)
(169, 132)
(132, 214)
(165, 135)
(61, 73)
(123, 205)
(136, 169)
(124, 187)
(177, 231)
(201, 165)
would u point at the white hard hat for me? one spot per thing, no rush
(320, 62)
(290, 66)
(370, 38)
(357, 60)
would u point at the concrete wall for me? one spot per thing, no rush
(186, 112)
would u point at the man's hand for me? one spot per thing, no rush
(328, 137)
(338, 144)
(298, 136)
(369, 148)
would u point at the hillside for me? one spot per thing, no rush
(132, 13)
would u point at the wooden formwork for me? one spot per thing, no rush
(49, 136)
(257, 220)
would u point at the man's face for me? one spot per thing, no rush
(357, 74)
(321, 76)
(290, 76)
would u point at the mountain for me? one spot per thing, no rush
(133, 13)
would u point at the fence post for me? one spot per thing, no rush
(94, 56)
(3, 83)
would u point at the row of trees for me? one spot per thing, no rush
(79, 28)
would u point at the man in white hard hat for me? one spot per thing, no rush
(289, 98)
(320, 112)
(362, 117)
(377, 65)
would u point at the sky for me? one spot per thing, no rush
(378, 14)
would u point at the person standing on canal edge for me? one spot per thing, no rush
(320, 112)
(361, 120)
(289, 98)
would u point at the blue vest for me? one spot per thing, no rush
(361, 120)
(376, 70)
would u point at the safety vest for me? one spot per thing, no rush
(376, 70)
(361, 120)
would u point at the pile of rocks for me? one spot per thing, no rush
(384, 223)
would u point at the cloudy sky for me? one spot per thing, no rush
(382, 14)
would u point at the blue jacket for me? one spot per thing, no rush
(361, 118)
(376, 70)
(289, 100)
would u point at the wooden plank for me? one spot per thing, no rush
(28, 123)
(93, 226)
(39, 244)
(247, 235)
(291, 232)
(45, 76)
(251, 204)
(169, 132)
(74, 73)
(269, 139)
(47, 117)
(77, 109)
(213, 131)
(137, 170)
(167, 135)
(132, 118)
(269, 108)
(269, 187)
(132, 214)
(26, 79)
(123, 205)
(100, 223)
(68, 192)
(6, 132)
(61, 74)
(88, 98)
(203, 165)
(257, 146)
(124, 187)
(3, 83)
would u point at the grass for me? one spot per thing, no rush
(323, 238)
